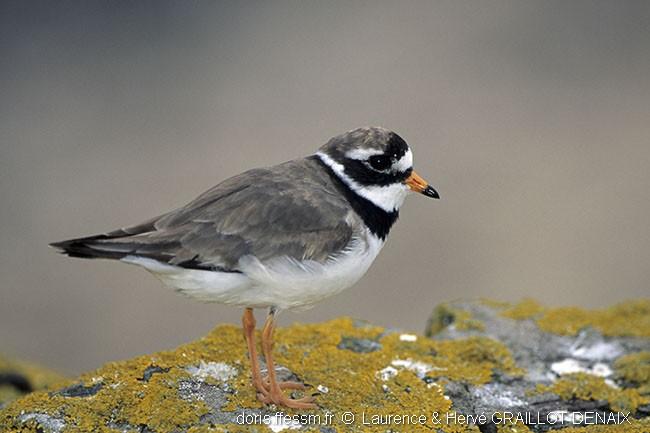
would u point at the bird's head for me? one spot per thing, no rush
(377, 164)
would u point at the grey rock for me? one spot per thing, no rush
(47, 423)
(151, 370)
(79, 390)
(359, 345)
(544, 356)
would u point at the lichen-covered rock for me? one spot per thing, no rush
(367, 379)
(18, 378)
(573, 360)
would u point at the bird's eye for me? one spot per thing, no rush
(379, 162)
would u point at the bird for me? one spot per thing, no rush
(280, 238)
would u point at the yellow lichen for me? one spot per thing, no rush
(311, 351)
(625, 319)
(526, 309)
(444, 315)
(473, 360)
(583, 386)
(635, 368)
(630, 318)
(125, 398)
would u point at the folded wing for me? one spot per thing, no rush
(287, 210)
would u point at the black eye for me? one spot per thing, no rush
(379, 162)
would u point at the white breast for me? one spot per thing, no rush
(293, 284)
(282, 282)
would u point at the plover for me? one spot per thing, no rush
(283, 237)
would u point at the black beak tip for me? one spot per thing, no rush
(430, 192)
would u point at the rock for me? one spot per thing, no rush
(18, 378)
(572, 360)
(359, 345)
(80, 390)
(366, 379)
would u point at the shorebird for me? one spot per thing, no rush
(282, 237)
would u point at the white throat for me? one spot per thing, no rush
(388, 197)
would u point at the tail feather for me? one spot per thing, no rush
(87, 248)
(101, 247)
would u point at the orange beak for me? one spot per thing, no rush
(417, 184)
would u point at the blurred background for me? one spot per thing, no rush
(531, 118)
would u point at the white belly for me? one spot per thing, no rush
(283, 282)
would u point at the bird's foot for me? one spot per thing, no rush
(268, 394)
(278, 398)
(285, 385)
(264, 386)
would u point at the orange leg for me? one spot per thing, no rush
(262, 385)
(274, 393)
(248, 322)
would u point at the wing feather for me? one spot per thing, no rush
(287, 210)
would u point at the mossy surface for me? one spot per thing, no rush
(627, 319)
(419, 369)
(28, 375)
